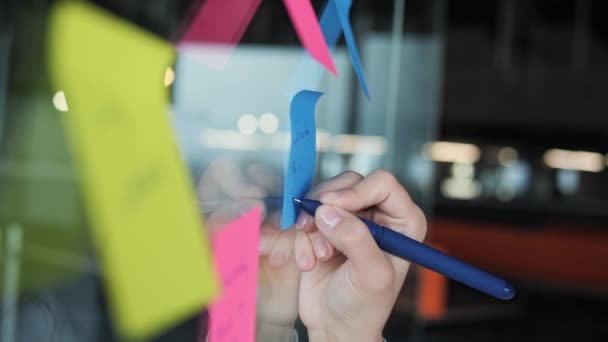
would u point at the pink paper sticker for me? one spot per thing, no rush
(217, 28)
(235, 247)
(307, 26)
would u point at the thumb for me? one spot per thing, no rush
(371, 268)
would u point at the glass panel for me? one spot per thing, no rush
(489, 113)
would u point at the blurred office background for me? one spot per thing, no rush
(493, 113)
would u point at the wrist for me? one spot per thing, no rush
(273, 332)
(336, 335)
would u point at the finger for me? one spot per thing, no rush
(323, 250)
(264, 176)
(281, 251)
(305, 222)
(220, 214)
(413, 225)
(224, 179)
(304, 254)
(380, 189)
(274, 220)
(369, 266)
(344, 180)
(269, 233)
(268, 237)
(415, 228)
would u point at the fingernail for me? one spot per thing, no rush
(304, 261)
(321, 248)
(329, 217)
(302, 221)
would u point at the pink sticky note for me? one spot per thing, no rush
(235, 247)
(217, 28)
(307, 26)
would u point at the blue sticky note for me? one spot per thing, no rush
(309, 72)
(334, 20)
(330, 23)
(343, 9)
(303, 153)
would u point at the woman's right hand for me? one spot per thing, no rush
(347, 294)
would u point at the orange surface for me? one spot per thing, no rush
(432, 296)
(559, 255)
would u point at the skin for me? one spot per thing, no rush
(228, 189)
(347, 294)
(329, 270)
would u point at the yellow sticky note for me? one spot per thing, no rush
(152, 245)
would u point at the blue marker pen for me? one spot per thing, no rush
(409, 249)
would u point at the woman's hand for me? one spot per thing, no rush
(350, 286)
(228, 189)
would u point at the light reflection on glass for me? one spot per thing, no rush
(451, 152)
(269, 123)
(568, 181)
(506, 156)
(169, 77)
(60, 102)
(248, 124)
(574, 160)
(461, 185)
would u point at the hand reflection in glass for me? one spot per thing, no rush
(229, 188)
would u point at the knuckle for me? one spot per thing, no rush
(301, 243)
(385, 176)
(355, 194)
(321, 188)
(315, 192)
(419, 227)
(344, 177)
(413, 224)
(350, 175)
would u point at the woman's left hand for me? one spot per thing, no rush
(228, 189)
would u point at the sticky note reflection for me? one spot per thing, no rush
(235, 247)
(334, 21)
(217, 28)
(305, 22)
(303, 153)
(155, 258)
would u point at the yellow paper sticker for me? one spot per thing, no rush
(152, 245)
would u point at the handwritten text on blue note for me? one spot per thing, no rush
(303, 153)
(334, 21)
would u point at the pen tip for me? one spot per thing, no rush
(297, 200)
